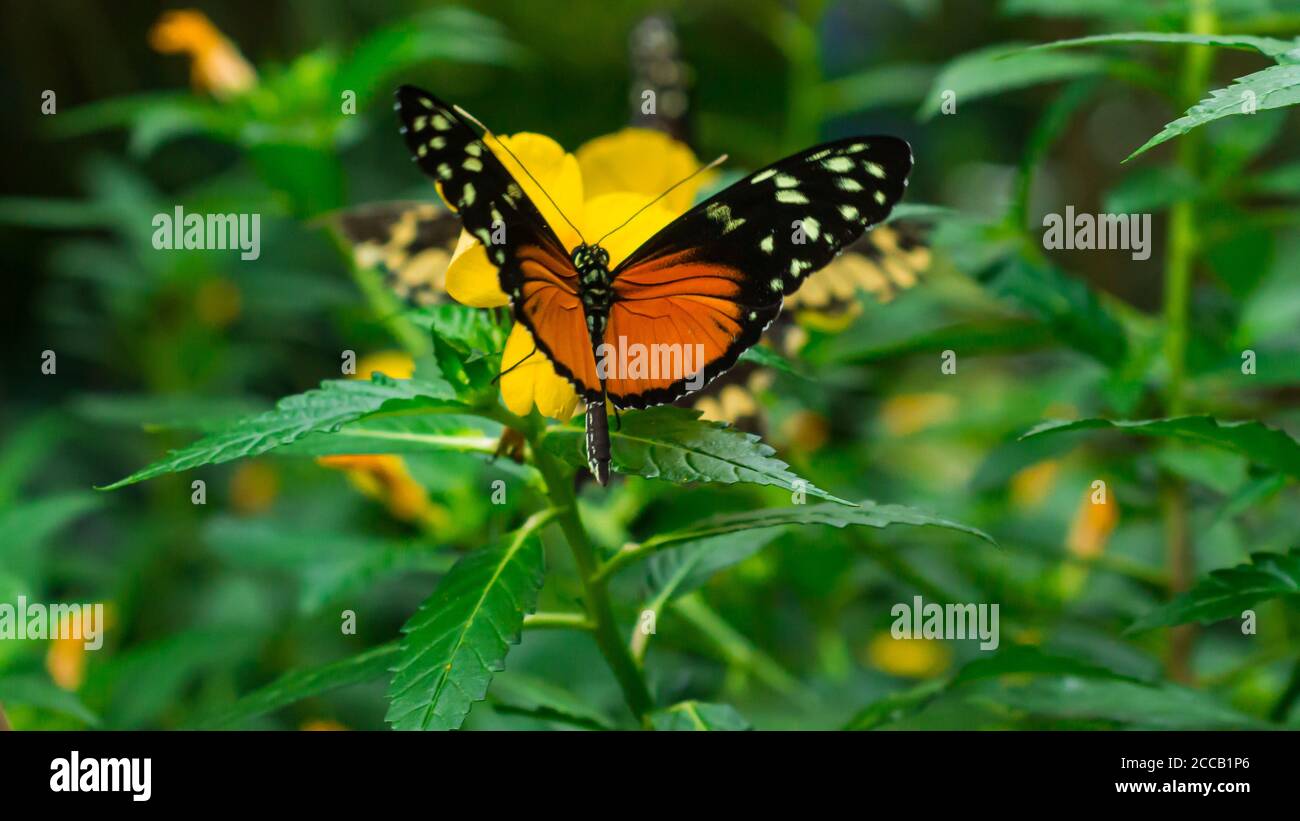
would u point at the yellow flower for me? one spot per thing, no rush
(217, 66)
(908, 658)
(608, 180)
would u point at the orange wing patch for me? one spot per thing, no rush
(549, 305)
(671, 319)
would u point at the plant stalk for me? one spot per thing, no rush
(1180, 262)
(600, 613)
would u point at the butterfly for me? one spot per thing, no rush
(710, 281)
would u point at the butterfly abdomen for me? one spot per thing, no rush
(598, 441)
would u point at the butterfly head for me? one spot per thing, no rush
(590, 258)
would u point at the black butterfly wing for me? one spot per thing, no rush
(411, 243)
(716, 276)
(533, 264)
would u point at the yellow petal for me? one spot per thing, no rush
(641, 161)
(395, 364)
(607, 212)
(556, 171)
(535, 381)
(471, 279)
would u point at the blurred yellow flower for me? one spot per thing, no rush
(1094, 521)
(66, 659)
(321, 725)
(218, 302)
(253, 487)
(604, 184)
(908, 658)
(216, 65)
(385, 477)
(908, 413)
(1030, 485)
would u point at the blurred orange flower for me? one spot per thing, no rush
(216, 65)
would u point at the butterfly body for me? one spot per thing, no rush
(592, 264)
(708, 283)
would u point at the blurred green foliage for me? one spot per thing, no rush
(227, 614)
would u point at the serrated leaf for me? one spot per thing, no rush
(675, 572)
(1225, 593)
(38, 691)
(699, 715)
(1274, 87)
(1017, 659)
(1002, 68)
(461, 634)
(868, 513)
(1270, 46)
(467, 329)
(1261, 444)
(303, 684)
(1141, 706)
(423, 433)
(518, 694)
(325, 409)
(675, 445)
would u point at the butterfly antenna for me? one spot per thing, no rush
(462, 112)
(517, 364)
(719, 161)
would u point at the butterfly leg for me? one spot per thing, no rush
(598, 441)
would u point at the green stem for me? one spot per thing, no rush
(559, 487)
(1180, 261)
(384, 304)
(739, 651)
(557, 621)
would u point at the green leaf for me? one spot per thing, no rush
(1001, 68)
(675, 572)
(1272, 47)
(674, 444)
(765, 357)
(303, 684)
(867, 513)
(469, 330)
(1017, 659)
(876, 87)
(327, 409)
(1067, 304)
(461, 634)
(423, 433)
(440, 34)
(1225, 593)
(38, 691)
(1162, 706)
(682, 560)
(699, 715)
(25, 528)
(1258, 442)
(518, 694)
(1274, 87)
(329, 565)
